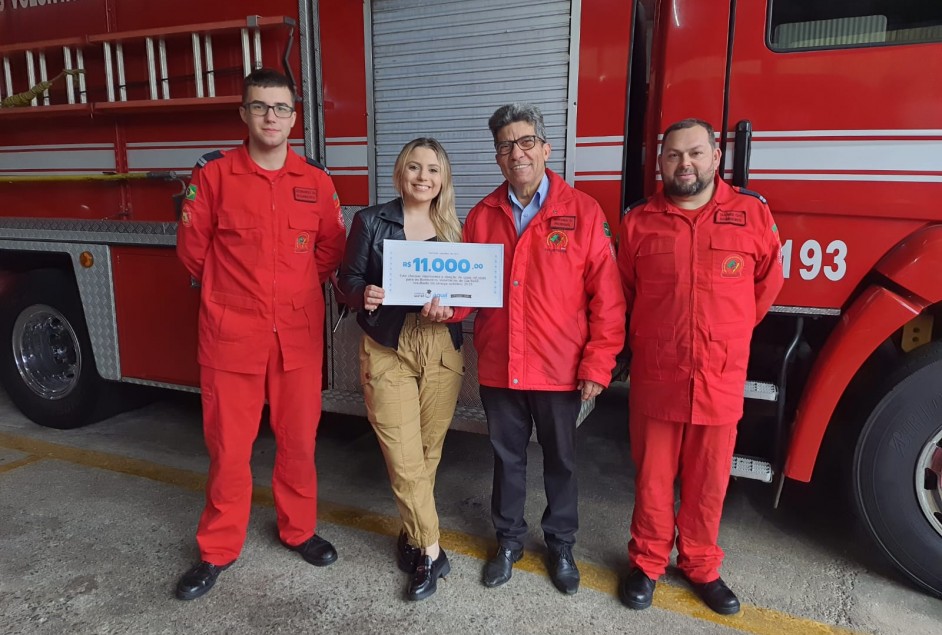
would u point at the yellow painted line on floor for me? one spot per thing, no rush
(12, 465)
(680, 600)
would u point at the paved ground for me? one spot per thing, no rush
(97, 524)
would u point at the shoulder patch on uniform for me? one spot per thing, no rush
(209, 156)
(743, 190)
(317, 164)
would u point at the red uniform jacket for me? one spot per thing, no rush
(563, 317)
(261, 247)
(695, 291)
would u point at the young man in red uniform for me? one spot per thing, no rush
(260, 231)
(700, 265)
(553, 343)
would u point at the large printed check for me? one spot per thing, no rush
(459, 274)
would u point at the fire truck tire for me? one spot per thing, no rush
(897, 470)
(47, 366)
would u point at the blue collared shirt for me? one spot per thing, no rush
(523, 215)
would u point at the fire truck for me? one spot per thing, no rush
(830, 110)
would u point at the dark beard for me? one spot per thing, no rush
(674, 188)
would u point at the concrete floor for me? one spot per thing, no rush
(97, 524)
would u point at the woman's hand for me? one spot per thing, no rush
(373, 297)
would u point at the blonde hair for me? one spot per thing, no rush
(442, 210)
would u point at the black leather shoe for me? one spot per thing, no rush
(717, 596)
(636, 590)
(499, 568)
(407, 556)
(316, 551)
(562, 569)
(425, 579)
(199, 580)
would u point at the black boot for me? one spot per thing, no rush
(425, 579)
(407, 556)
(199, 580)
(636, 590)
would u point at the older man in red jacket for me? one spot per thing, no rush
(553, 343)
(700, 264)
(260, 230)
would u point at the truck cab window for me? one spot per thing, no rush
(808, 24)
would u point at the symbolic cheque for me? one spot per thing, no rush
(459, 274)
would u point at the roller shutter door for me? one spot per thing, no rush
(440, 69)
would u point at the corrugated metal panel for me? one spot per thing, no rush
(440, 69)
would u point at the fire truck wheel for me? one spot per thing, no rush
(897, 474)
(47, 366)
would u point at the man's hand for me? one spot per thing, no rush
(372, 297)
(435, 312)
(589, 389)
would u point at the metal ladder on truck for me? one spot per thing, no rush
(148, 55)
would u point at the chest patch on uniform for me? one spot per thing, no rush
(305, 194)
(733, 266)
(729, 217)
(563, 222)
(302, 244)
(557, 240)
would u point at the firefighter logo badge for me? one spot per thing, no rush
(302, 244)
(191, 192)
(557, 241)
(733, 266)
(185, 218)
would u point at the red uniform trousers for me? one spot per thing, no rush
(232, 407)
(701, 455)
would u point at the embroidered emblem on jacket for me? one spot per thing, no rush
(302, 244)
(557, 241)
(733, 266)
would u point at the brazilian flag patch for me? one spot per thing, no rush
(191, 193)
(607, 229)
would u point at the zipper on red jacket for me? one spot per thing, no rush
(274, 250)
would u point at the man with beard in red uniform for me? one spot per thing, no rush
(260, 231)
(700, 266)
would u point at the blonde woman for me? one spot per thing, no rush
(411, 365)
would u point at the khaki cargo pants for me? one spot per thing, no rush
(411, 394)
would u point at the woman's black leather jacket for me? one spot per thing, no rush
(363, 265)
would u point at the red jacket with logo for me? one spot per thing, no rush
(563, 317)
(695, 290)
(261, 246)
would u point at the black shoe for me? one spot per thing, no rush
(636, 590)
(562, 569)
(717, 596)
(199, 580)
(316, 551)
(499, 568)
(425, 579)
(407, 556)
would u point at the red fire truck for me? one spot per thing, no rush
(832, 110)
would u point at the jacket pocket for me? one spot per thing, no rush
(239, 237)
(238, 317)
(654, 351)
(656, 265)
(734, 259)
(729, 349)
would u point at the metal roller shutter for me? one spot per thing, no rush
(440, 69)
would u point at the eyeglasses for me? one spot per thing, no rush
(260, 109)
(524, 143)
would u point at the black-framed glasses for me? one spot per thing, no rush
(524, 143)
(260, 109)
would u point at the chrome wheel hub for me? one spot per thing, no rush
(46, 351)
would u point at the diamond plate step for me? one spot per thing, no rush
(761, 390)
(751, 468)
